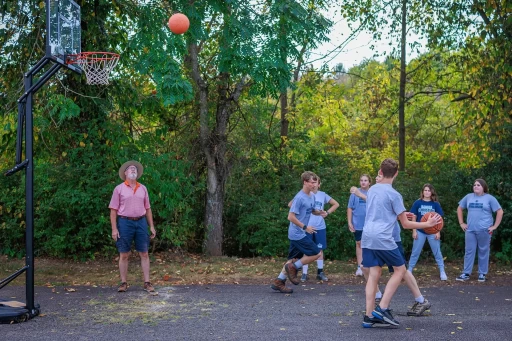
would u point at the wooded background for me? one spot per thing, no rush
(226, 117)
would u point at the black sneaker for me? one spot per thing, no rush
(463, 277)
(322, 277)
(385, 315)
(373, 322)
(304, 278)
(481, 278)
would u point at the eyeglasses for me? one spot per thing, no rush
(131, 168)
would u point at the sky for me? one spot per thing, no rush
(356, 50)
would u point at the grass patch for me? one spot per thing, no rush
(189, 269)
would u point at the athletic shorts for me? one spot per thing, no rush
(380, 257)
(304, 246)
(358, 234)
(401, 249)
(319, 238)
(132, 230)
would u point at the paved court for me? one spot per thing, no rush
(255, 312)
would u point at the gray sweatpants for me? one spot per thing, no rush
(477, 240)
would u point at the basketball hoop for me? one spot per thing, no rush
(96, 65)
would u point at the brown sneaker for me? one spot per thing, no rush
(123, 287)
(291, 271)
(148, 287)
(279, 285)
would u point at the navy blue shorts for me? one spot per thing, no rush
(304, 246)
(358, 234)
(132, 230)
(401, 249)
(380, 257)
(319, 238)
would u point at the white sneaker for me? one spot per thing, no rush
(359, 272)
(443, 276)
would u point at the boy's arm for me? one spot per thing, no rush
(354, 190)
(407, 224)
(293, 219)
(349, 218)
(334, 206)
(290, 203)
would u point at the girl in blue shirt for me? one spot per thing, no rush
(427, 203)
(479, 228)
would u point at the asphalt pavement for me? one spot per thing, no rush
(255, 312)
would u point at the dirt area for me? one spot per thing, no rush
(178, 269)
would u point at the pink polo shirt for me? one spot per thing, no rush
(130, 202)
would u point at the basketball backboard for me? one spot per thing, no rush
(63, 31)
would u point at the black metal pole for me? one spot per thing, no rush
(19, 132)
(40, 82)
(29, 195)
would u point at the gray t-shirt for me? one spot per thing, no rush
(383, 205)
(396, 232)
(480, 209)
(302, 206)
(317, 221)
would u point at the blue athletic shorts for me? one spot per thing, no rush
(380, 257)
(319, 238)
(304, 246)
(358, 234)
(132, 230)
(402, 252)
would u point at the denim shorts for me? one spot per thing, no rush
(132, 230)
(304, 246)
(358, 235)
(319, 238)
(380, 257)
(402, 252)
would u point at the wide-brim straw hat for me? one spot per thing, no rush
(127, 164)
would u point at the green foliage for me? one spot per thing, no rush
(458, 121)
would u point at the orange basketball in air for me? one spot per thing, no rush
(434, 229)
(178, 23)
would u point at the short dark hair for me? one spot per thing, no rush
(389, 167)
(483, 184)
(307, 176)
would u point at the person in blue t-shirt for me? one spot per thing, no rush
(480, 205)
(302, 248)
(320, 235)
(421, 304)
(383, 206)
(427, 203)
(356, 215)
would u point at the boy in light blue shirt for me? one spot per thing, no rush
(302, 249)
(384, 204)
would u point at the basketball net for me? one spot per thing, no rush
(96, 65)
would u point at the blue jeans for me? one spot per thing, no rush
(417, 246)
(477, 240)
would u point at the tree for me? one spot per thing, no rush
(232, 49)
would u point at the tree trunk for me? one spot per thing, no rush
(214, 142)
(284, 119)
(401, 100)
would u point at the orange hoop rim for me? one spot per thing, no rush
(91, 56)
